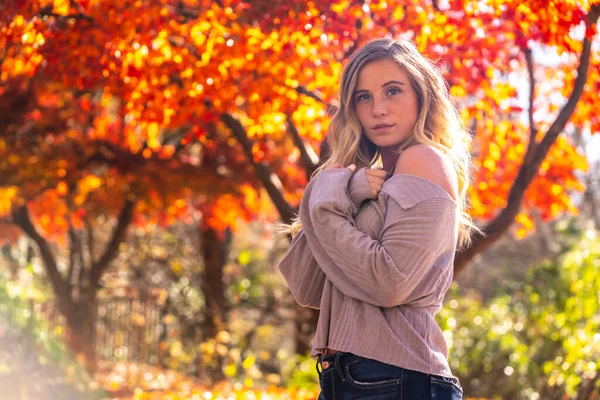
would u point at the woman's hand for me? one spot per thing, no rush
(375, 177)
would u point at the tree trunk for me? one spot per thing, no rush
(79, 311)
(306, 319)
(214, 252)
(81, 333)
(306, 324)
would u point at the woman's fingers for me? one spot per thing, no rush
(375, 189)
(381, 173)
(377, 173)
(376, 179)
(376, 176)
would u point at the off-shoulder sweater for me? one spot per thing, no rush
(377, 269)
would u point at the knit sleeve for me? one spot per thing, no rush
(400, 266)
(359, 189)
(302, 273)
(300, 269)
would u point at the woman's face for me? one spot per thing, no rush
(386, 103)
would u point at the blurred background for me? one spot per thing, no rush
(148, 147)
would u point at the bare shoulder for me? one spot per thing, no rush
(429, 163)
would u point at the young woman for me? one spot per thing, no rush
(372, 248)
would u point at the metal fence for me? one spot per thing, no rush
(126, 329)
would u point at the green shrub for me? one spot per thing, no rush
(540, 340)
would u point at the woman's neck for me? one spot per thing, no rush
(389, 159)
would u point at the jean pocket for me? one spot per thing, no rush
(446, 386)
(372, 374)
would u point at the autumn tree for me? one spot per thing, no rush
(144, 112)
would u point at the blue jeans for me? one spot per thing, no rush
(346, 376)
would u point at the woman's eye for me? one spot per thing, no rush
(393, 91)
(362, 97)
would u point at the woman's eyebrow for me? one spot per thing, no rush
(390, 82)
(384, 85)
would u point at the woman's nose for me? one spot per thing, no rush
(379, 108)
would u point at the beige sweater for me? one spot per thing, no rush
(378, 270)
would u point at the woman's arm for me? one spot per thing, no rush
(358, 190)
(302, 273)
(300, 269)
(399, 268)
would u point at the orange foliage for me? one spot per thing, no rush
(123, 99)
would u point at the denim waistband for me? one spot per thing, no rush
(342, 358)
(336, 361)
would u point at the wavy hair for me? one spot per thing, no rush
(438, 124)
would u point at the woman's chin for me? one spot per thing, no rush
(391, 141)
(387, 143)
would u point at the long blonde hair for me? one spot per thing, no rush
(438, 125)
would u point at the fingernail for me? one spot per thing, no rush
(352, 167)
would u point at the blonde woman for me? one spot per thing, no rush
(374, 242)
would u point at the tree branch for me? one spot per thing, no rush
(81, 263)
(72, 246)
(500, 225)
(73, 16)
(315, 95)
(565, 113)
(21, 218)
(532, 129)
(309, 159)
(112, 249)
(186, 13)
(91, 241)
(47, 11)
(269, 179)
(331, 107)
(76, 5)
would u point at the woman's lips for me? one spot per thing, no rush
(383, 128)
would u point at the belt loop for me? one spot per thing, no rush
(339, 367)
